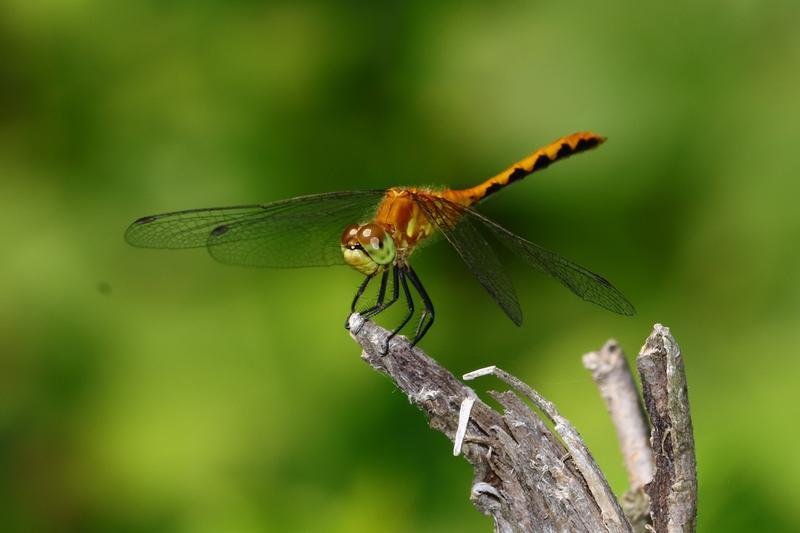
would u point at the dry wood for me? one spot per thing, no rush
(673, 491)
(611, 373)
(526, 478)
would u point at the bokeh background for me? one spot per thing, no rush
(154, 391)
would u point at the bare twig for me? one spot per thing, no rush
(611, 373)
(673, 491)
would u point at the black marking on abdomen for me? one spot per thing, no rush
(585, 144)
(564, 151)
(541, 162)
(491, 189)
(517, 174)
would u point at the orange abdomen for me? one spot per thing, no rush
(538, 160)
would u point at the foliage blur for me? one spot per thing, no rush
(154, 391)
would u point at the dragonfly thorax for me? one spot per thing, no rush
(401, 216)
(367, 248)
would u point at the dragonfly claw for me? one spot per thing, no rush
(385, 349)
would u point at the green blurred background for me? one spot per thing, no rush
(149, 391)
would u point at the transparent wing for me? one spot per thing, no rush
(584, 283)
(476, 252)
(298, 232)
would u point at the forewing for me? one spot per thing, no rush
(186, 229)
(476, 252)
(298, 232)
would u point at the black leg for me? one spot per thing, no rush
(381, 296)
(426, 320)
(381, 306)
(360, 291)
(409, 301)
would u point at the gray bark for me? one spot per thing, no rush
(673, 491)
(525, 477)
(611, 373)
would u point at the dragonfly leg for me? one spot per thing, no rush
(380, 306)
(409, 301)
(360, 291)
(369, 311)
(426, 320)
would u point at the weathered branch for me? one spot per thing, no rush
(585, 463)
(526, 478)
(673, 491)
(611, 373)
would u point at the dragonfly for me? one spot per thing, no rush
(377, 231)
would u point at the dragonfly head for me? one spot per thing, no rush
(367, 247)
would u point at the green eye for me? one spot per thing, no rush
(377, 243)
(381, 251)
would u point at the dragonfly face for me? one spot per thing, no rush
(367, 248)
(393, 224)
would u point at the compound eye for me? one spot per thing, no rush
(350, 234)
(371, 236)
